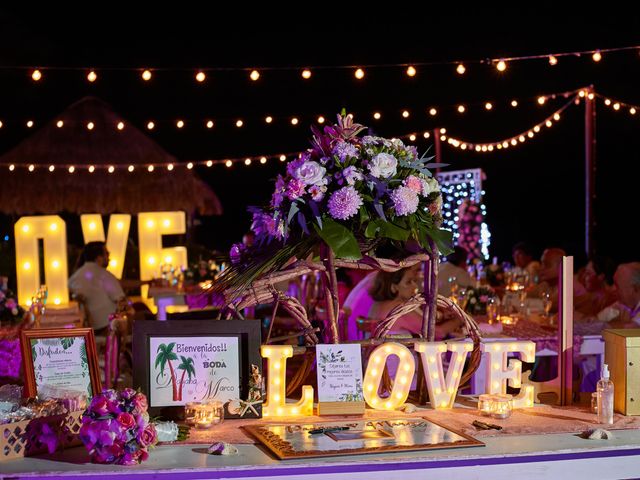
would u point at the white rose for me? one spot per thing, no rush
(383, 165)
(430, 185)
(310, 173)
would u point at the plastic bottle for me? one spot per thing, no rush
(605, 397)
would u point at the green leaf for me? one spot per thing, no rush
(292, 211)
(387, 230)
(340, 239)
(443, 240)
(66, 342)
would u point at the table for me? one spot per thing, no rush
(512, 457)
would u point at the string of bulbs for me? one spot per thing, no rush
(509, 142)
(293, 121)
(306, 73)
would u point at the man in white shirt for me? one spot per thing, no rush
(100, 289)
(626, 311)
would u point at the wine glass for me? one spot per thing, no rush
(493, 309)
(547, 303)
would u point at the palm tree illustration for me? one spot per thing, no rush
(187, 368)
(165, 355)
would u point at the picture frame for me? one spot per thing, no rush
(53, 357)
(358, 436)
(181, 361)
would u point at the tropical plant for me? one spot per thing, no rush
(164, 356)
(187, 368)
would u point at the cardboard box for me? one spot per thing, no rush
(622, 354)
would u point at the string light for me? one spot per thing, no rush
(254, 75)
(461, 109)
(268, 119)
(597, 56)
(228, 163)
(411, 71)
(488, 106)
(36, 75)
(553, 60)
(541, 100)
(359, 74)
(201, 76)
(320, 119)
(120, 126)
(294, 121)
(90, 126)
(306, 74)
(29, 123)
(150, 168)
(514, 103)
(263, 160)
(239, 123)
(72, 169)
(433, 112)
(59, 123)
(377, 116)
(209, 124)
(151, 125)
(146, 75)
(92, 76)
(405, 114)
(461, 69)
(180, 124)
(501, 66)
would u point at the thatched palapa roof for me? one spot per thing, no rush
(42, 191)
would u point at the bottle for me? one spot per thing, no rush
(605, 397)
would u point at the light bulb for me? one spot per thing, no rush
(283, 158)
(228, 163)
(411, 71)
(377, 115)
(254, 75)
(92, 76)
(501, 66)
(433, 112)
(461, 109)
(120, 126)
(359, 74)
(294, 121)
(541, 100)
(461, 69)
(91, 169)
(111, 169)
(189, 165)
(210, 124)
(239, 123)
(488, 106)
(209, 163)
(320, 119)
(553, 60)
(170, 167)
(201, 76)
(268, 119)
(130, 168)
(151, 125)
(597, 56)
(179, 124)
(146, 75)
(247, 161)
(306, 74)
(36, 75)
(150, 168)
(263, 160)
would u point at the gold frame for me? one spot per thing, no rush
(30, 386)
(284, 451)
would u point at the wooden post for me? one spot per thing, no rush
(438, 147)
(565, 327)
(590, 169)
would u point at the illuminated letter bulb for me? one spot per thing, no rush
(276, 405)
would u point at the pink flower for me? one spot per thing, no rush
(317, 193)
(295, 188)
(344, 203)
(126, 420)
(99, 405)
(140, 403)
(148, 436)
(414, 183)
(405, 201)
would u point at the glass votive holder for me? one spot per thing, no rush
(594, 402)
(190, 412)
(209, 414)
(485, 404)
(502, 406)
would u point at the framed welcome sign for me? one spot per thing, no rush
(182, 361)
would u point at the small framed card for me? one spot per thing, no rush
(339, 380)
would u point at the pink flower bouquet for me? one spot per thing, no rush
(116, 429)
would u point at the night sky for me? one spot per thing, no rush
(534, 192)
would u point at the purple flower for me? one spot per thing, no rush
(311, 173)
(293, 165)
(344, 203)
(405, 201)
(235, 254)
(128, 393)
(263, 224)
(295, 188)
(351, 175)
(278, 194)
(317, 192)
(344, 150)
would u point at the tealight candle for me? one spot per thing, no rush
(190, 412)
(502, 406)
(208, 414)
(485, 404)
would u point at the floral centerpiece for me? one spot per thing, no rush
(10, 312)
(477, 299)
(116, 429)
(348, 191)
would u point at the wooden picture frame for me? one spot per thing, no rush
(39, 343)
(355, 437)
(206, 372)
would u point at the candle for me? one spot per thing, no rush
(190, 412)
(208, 414)
(485, 404)
(502, 406)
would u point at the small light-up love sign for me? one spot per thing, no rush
(442, 387)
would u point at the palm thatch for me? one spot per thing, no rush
(41, 191)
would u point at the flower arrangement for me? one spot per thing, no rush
(477, 299)
(10, 312)
(116, 429)
(470, 226)
(346, 191)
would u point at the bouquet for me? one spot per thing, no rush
(477, 299)
(348, 191)
(10, 312)
(116, 429)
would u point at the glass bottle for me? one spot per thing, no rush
(605, 397)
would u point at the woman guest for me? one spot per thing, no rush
(391, 289)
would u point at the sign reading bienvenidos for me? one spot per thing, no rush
(193, 369)
(339, 373)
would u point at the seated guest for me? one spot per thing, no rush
(524, 262)
(98, 288)
(598, 284)
(626, 311)
(454, 271)
(548, 276)
(391, 289)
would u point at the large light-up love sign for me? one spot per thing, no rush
(52, 230)
(442, 388)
